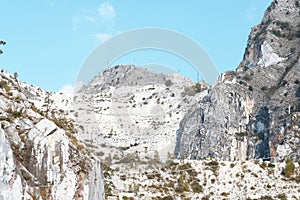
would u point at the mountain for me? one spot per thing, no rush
(134, 134)
(253, 112)
(40, 157)
(130, 108)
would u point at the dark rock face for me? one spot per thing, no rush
(262, 130)
(298, 92)
(255, 113)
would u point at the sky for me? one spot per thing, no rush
(47, 41)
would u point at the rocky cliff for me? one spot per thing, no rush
(252, 112)
(40, 158)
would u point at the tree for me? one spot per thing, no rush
(48, 103)
(16, 75)
(2, 43)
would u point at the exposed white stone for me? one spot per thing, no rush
(10, 182)
(283, 150)
(269, 56)
(35, 153)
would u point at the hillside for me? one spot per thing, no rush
(40, 157)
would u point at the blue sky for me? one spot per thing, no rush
(48, 40)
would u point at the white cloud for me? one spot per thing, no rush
(94, 17)
(101, 37)
(75, 23)
(251, 13)
(106, 11)
(89, 18)
(50, 3)
(69, 88)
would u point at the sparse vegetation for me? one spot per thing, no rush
(15, 113)
(43, 193)
(74, 141)
(196, 88)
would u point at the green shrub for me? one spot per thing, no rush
(168, 83)
(26, 176)
(271, 165)
(281, 196)
(225, 194)
(184, 187)
(250, 88)
(213, 163)
(266, 197)
(184, 166)
(263, 165)
(123, 177)
(197, 87)
(264, 88)
(289, 169)
(128, 198)
(3, 84)
(189, 91)
(206, 197)
(167, 198)
(196, 187)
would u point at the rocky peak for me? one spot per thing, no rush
(276, 38)
(254, 112)
(129, 75)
